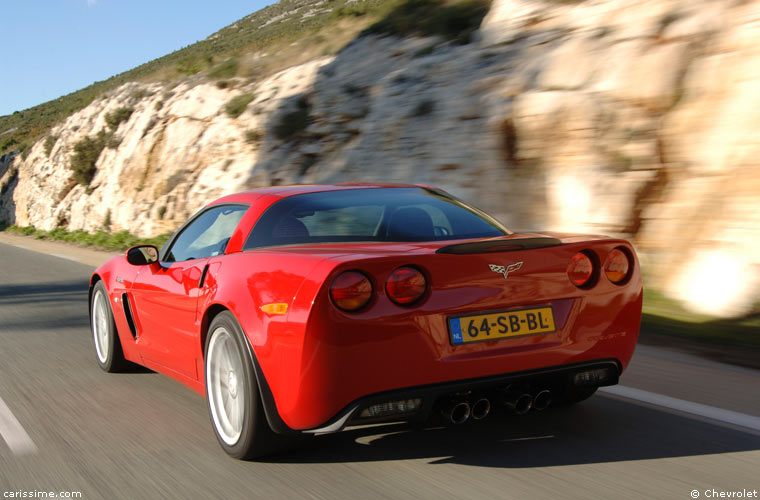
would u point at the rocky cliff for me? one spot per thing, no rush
(634, 118)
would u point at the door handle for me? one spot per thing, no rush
(203, 276)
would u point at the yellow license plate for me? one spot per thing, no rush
(495, 326)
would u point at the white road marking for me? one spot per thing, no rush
(711, 412)
(67, 257)
(22, 246)
(14, 435)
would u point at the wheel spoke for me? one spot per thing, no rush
(237, 420)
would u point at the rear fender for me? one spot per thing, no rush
(245, 282)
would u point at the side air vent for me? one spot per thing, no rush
(128, 314)
(503, 245)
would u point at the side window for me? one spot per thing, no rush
(207, 235)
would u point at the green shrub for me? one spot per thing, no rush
(86, 154)
(49, 144)
(113, 142)
(190, 66)
(58, 233)
(24, 149)
(100, 238)
(237, 104)
(120, 240)
(8, 143)
(225, 69)
(140, 94)
(122, 114)
(356, 9)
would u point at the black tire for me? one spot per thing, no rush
(108, 351)
(253, 438)
(574, 395)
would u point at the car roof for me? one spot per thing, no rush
(285, 191)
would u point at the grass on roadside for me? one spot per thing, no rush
(102, 239)
(666, 316)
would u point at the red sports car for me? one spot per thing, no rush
(306, 309)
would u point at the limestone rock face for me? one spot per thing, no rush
(634, 118)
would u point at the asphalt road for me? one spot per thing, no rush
(68, 426)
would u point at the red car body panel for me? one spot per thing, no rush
(317, 359)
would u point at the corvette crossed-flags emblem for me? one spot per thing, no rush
(505, 270)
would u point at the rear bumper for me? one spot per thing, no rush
(432, 396)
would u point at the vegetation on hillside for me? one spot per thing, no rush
(237, 105)
(220, 55)
(86, 154)
(102, 239)
(117, 116)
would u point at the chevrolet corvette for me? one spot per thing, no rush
(302, 310)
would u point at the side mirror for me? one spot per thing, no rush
(142, 255)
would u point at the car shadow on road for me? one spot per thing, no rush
(61, 291)
(43, 306)
(603, 429)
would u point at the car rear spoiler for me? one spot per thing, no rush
(505, 245)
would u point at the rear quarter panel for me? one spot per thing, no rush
(243, 283)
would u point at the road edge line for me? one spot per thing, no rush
(682, 405)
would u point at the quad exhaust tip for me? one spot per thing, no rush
(542, 400)
(480, 409)
(518, 403)
(457, 412)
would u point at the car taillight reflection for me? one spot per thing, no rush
(616, 266)
(406, 285)
(350, 291)
(580, 270)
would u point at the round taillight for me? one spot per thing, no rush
(580, 270)
(350, 291)
(405, 285)
(616, 266)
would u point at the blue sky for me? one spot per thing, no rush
(54, 47)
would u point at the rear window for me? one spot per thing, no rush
(374, 214)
